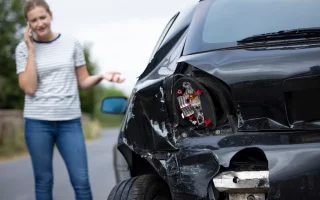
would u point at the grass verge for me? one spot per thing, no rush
(14, 146)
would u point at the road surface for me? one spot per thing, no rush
(16, 178)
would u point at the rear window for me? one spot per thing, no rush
(220, 23)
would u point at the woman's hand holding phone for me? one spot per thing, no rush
(28, 38)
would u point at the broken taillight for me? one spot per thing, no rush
(190, 104)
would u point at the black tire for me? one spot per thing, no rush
(145, 187)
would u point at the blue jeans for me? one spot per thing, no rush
(41, 136)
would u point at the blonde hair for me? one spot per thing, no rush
(31, 4)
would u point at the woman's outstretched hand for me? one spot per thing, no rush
(113, 77)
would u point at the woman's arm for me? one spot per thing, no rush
(86, 81)
(28, 79)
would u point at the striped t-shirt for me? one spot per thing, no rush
(56, 97)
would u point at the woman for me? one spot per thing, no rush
(50, 67)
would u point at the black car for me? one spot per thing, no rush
(228, 106)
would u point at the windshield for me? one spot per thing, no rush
(223, 22)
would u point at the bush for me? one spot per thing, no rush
(13, 145)
(12, 142)
(92, 130)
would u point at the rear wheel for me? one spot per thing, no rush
(145, 187)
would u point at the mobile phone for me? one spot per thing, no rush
(30, 32)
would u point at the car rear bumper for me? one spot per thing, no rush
(293, 170)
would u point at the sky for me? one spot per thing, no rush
(122, 33)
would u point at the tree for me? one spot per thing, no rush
(12, 22)
(91, 98)
(88, 96)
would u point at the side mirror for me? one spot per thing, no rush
(114, 105)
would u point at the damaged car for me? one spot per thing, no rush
(228, 107)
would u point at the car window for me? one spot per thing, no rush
(230, 20)
(220, 23)
(163, 35)
(181, 22)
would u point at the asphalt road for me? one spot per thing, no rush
(16, 178)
